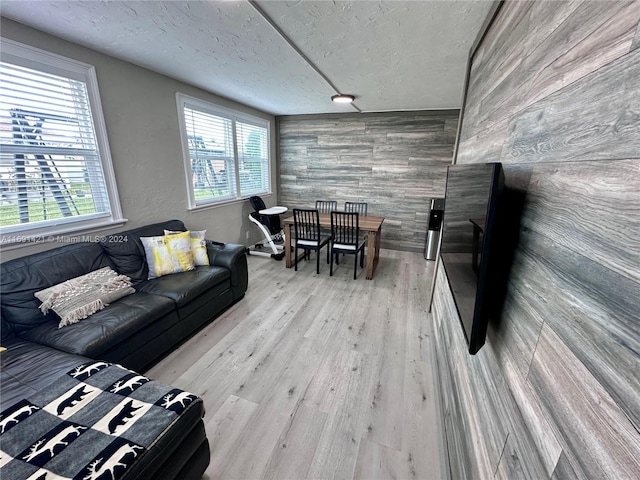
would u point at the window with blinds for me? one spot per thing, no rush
(253, 158)
(226, 154)
(51, 170)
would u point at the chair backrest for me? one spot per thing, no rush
(257, 203)
(306, 224)
(360, 207)
(326, 206)
(345, 228)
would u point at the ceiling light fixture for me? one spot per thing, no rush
(341, 98)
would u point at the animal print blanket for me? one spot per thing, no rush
(93, 424)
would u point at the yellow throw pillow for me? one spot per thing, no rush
(168, 254)
(198, 246)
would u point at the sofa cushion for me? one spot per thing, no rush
(184, 287)
(127, 254)
(28, 367)
(126, 251)
(104, 329)
(22, 277)
(5, 330)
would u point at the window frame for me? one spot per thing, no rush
(235, 116)
(37, 59)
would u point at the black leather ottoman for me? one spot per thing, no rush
(82, 418)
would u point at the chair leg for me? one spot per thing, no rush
(355, 265)
(295, 258)
(362, 258)
(331, 264)
(318, 261)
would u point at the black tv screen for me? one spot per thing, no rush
(469, 242)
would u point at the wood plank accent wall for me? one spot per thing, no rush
(554, 94)
(395, 162)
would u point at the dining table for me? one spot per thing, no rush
(369, 224)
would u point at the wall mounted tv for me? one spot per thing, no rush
(470, 238)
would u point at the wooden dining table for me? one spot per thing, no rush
(368, 223)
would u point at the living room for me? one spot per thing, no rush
(553, 95)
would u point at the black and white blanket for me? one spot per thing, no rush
(92, 424)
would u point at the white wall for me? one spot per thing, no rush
(142, 125)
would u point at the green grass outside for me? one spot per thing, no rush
(9, 214)
(203, 193)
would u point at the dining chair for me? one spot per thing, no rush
(306, 226)
(360, 207)
(326, 206)
(345, 234)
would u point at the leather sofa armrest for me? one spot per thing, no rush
(233, 257)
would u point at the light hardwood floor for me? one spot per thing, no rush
(312, 376)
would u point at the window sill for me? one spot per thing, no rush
(64, 234)
(225, 203)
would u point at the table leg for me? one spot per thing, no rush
(287, 246)
(372, 242)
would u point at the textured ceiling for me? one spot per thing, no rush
(392, 56)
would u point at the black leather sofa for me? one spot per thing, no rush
(134, 331)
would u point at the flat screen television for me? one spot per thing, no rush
(470, 239)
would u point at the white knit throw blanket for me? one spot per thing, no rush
(82, 296)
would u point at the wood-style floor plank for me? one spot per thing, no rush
(296, 447)
(384, 418)
(274, 415)
(339, 442)
(421, 435)
(376, 462)
(225, 426)
(312, 376)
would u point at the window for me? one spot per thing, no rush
(55, 169)
(226, 153)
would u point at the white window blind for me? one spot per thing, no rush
(253, 158)
(51, 172)
(210, 140)
(226, 157)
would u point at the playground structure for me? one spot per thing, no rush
(27, 177)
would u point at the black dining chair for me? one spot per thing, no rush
(345, 234)
(326, 206)
(306, 225)
(360, 207)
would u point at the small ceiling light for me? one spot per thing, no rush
(343, 98)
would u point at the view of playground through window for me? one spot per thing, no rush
(227, 157)
(50, 167)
